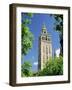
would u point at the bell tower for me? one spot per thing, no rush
(45, 47)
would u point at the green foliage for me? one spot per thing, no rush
(59, 23)
(26, 69)
(52, 67)
(30, 14)
(27, 36)
(27, 40)
(27, 21)
(58, 26)
(26, 44)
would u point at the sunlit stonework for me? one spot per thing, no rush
(45, 47)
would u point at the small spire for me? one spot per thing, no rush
(44, 26)
(44, 30)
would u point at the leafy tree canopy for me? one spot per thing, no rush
(26, 69)
(52, 67)
(58, 22)
(27, 36)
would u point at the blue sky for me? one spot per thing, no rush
(35, 27)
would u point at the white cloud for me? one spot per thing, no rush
(35, 63)
(57, 52)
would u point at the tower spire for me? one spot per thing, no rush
(44, 30)
(44, 26)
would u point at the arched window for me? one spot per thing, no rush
(46, 49)
(43, 38)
